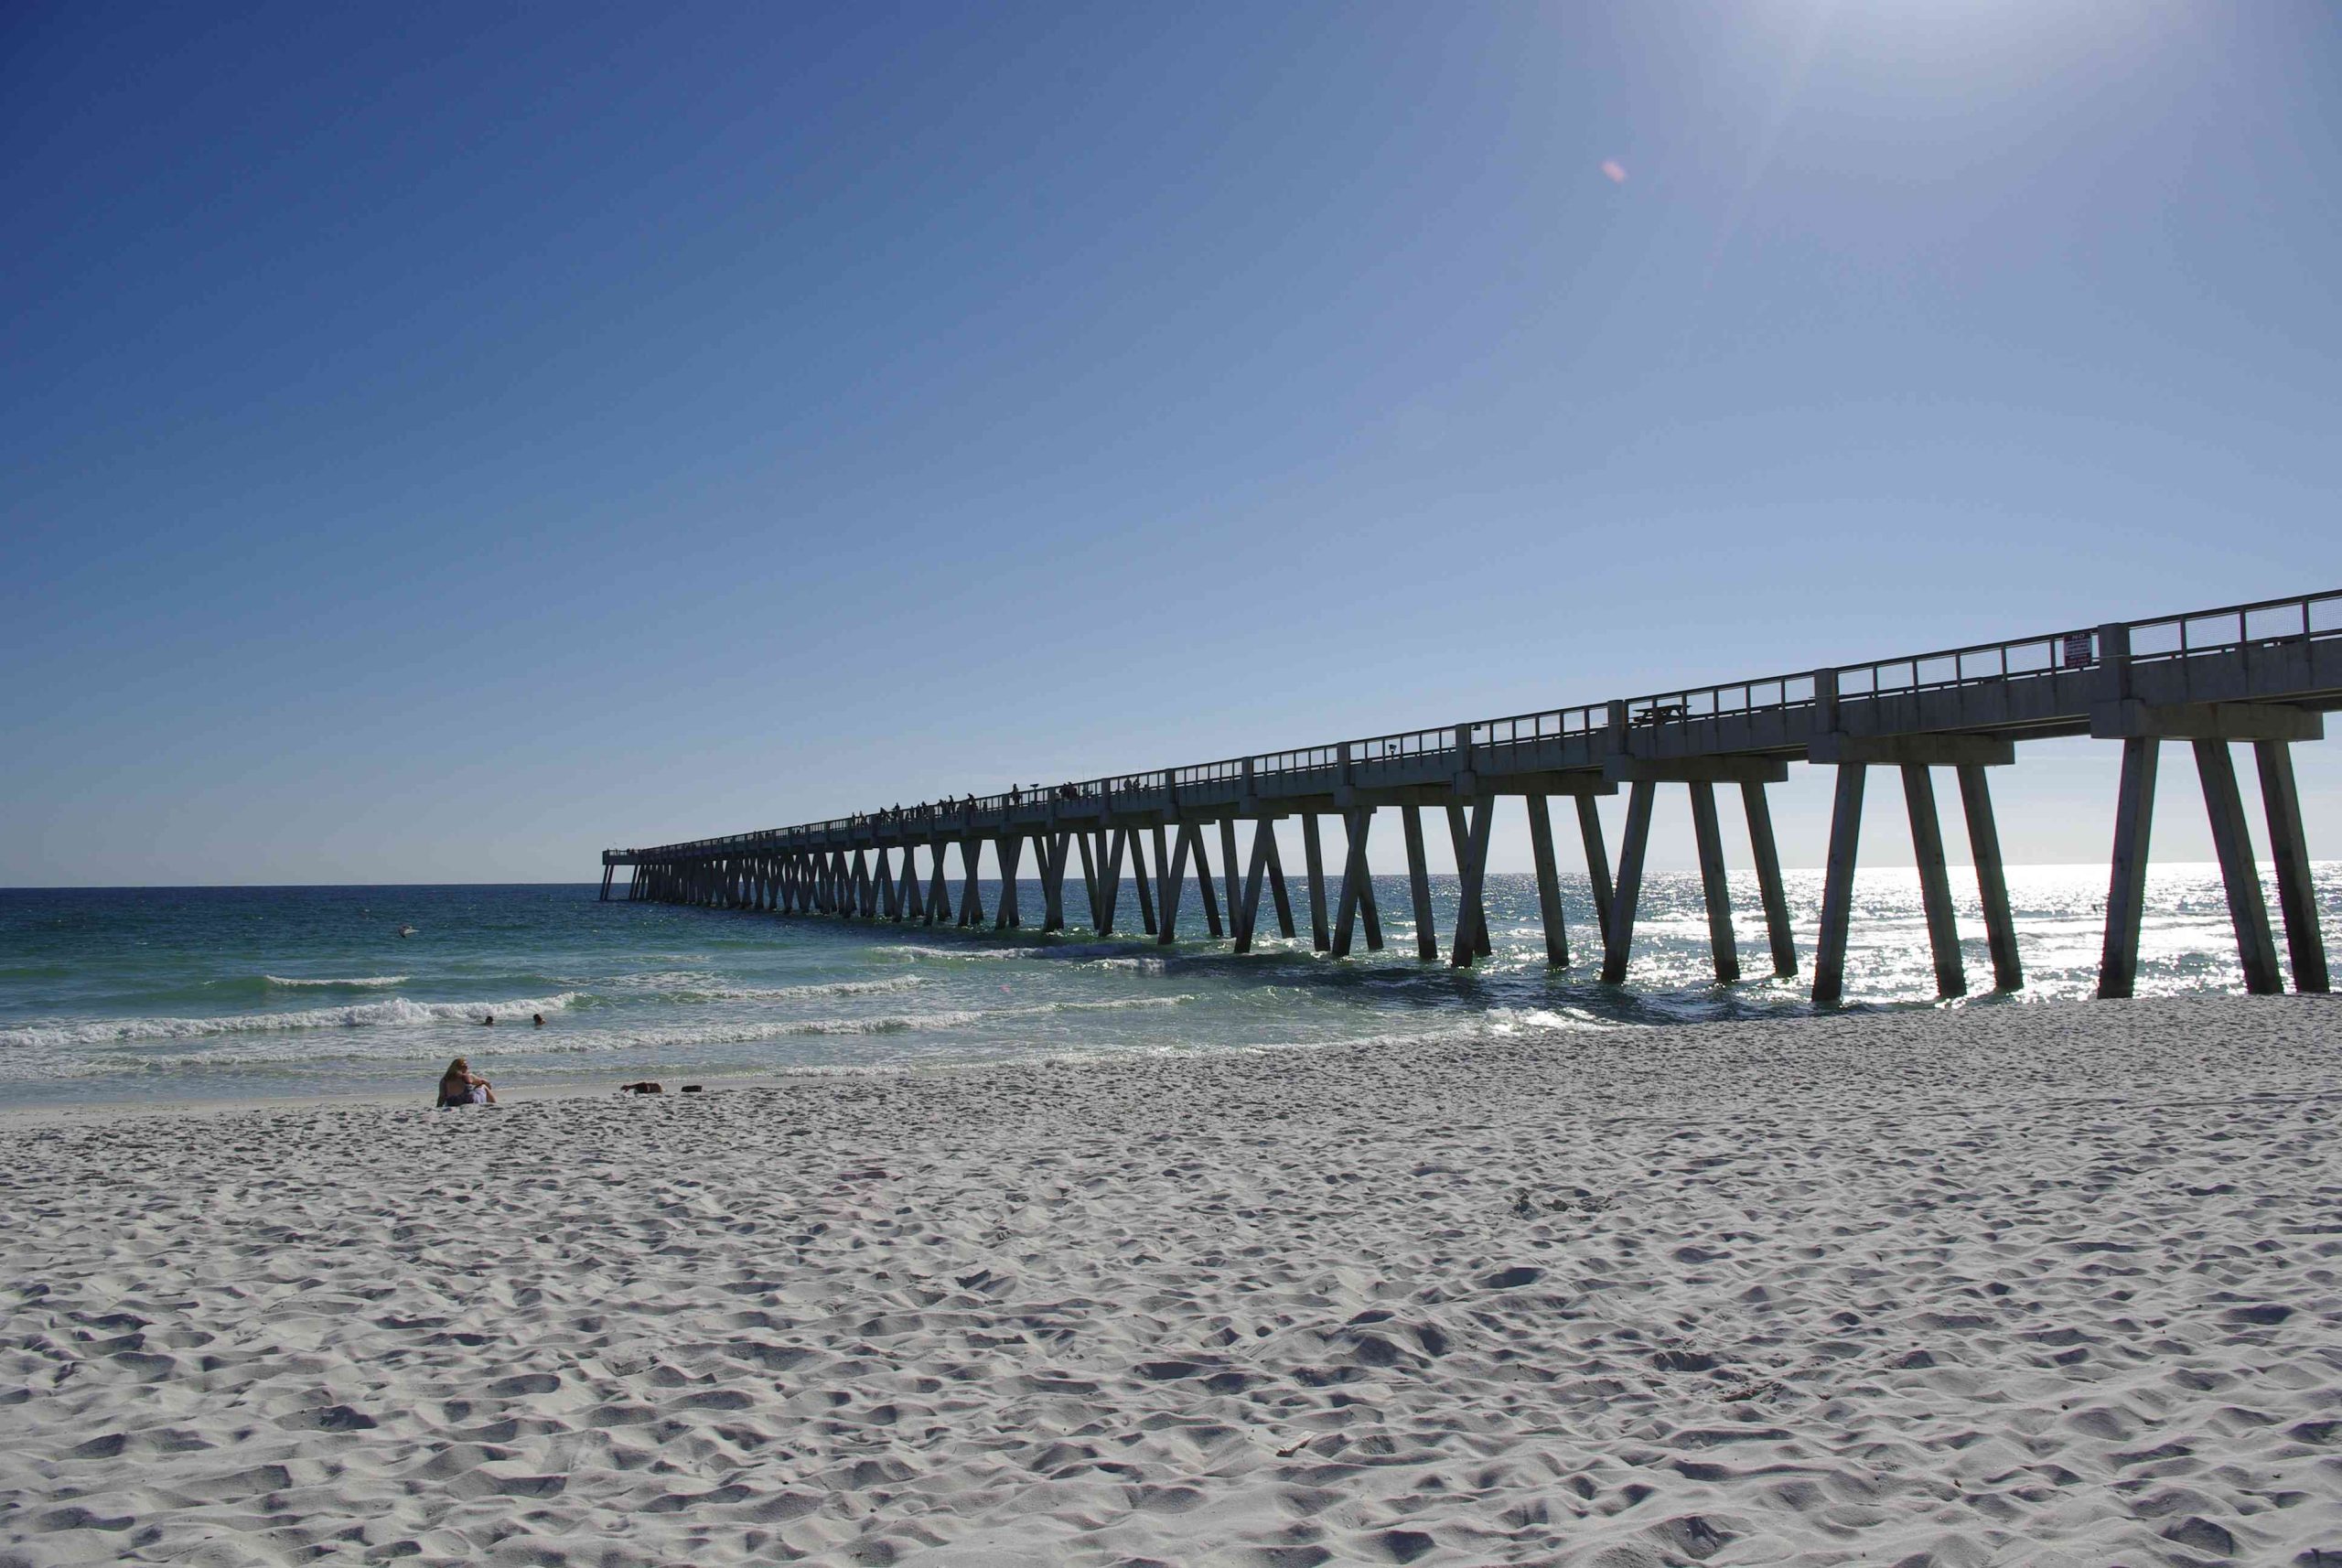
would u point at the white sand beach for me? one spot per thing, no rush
(2007, 1285)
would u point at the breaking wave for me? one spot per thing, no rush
(255, 1051)
(393, 1011)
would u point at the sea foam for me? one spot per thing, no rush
(392, 1011)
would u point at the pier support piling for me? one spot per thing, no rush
(1053, 848)
(1471, 865)
(1838, 885)
(1314, 859)
(1204, 891)
(1139, 883)
(1411, 823)
(1009, 850)
(1170, 874)
(2256, 951)
(1277, 894)
(972, 898)
(1769, 889)
(1992, 877)
(1090, 892)
(910, 905)
(1549, 882)
(1723, 944)
(2134, 815)
(1108, 909)
(1597, 862)
(1618, 936)
(1472, 922)
(1935, 883)
(1242, 916)
(1231, 877)
(1357, 904)
(2289, 847)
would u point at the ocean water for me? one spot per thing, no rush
(211, 993)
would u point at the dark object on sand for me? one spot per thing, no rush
(647, 1086)
(693, 1089)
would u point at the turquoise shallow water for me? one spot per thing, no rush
(130, 994)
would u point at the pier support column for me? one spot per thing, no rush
(1314, 858)
(1472, 868)
(1991, 877)
(2126, 892)
(2305, 945)
(1619, 937)
(1170, 876)
(2256, 951)
(1359, 820)
(1277, 894)
(1838, 885)
(1411, 823)
(938, 889)
(1231, 877)
(1934, 883)
(1770, 890)
(1110, 881)
(1053, 848)
(1093, 900)
(1473, 917)
(1549, 882)
(1597, 862)
(1723, 944)
(972, 898)
(1204, 891)
(1242, 916)
(1009, 849)
(911, 905)
(1140, 882)
(609, 871)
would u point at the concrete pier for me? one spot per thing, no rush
(2263, 673)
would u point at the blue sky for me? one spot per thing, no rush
(443, 441)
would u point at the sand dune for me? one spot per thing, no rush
(2044, 1284)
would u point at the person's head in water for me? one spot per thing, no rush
(538, 1019)
(490, 1020)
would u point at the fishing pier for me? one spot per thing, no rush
(2262, 674)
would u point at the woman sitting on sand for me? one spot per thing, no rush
(461, 1086)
